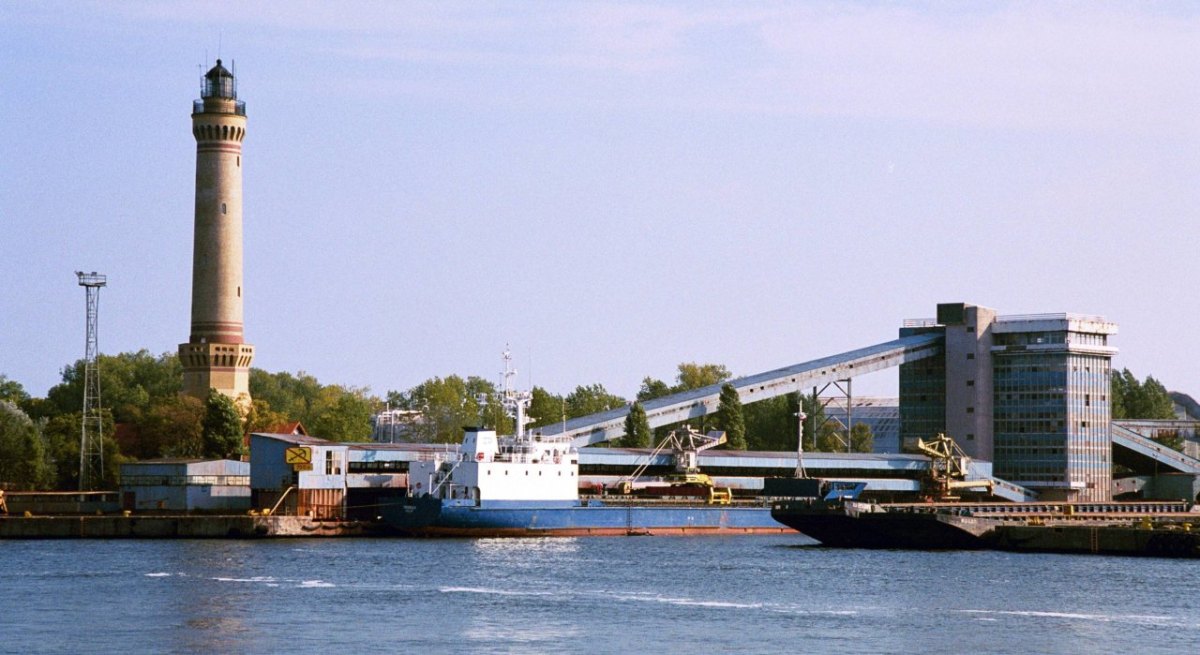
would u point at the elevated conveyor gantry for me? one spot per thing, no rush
(1149, 450)
(605, 426)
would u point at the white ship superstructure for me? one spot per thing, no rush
(491, 470)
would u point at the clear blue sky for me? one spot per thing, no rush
(611, 188)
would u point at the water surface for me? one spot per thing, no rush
(757, 594)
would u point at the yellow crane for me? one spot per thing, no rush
(685, 444)
(948, 466)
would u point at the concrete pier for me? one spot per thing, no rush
(177, 526)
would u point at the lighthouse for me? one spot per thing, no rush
(216, 355)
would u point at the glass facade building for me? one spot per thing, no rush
(922, 396)
(1049, 401)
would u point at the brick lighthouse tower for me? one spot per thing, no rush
(216, 355)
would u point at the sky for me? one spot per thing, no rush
(606, 188)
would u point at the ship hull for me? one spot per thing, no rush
(1102, 540)
(1087, 528)
(838, 526)
(433, 518)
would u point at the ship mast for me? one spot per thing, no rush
(515, 402)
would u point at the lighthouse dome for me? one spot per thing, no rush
(219, 83)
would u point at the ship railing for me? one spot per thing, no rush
(438, 455)
(529, 458)
(1062, 509)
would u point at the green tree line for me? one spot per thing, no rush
(145, 416)
(1146, 399)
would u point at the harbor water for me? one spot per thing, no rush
(746, 594)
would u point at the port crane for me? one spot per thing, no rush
(685, 444)
(948, 466)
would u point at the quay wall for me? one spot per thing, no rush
(167, 527)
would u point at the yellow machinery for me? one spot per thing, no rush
(948, 468)
(685, 444)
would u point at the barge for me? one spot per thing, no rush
(1162, 529)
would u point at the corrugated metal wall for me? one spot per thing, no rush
(321, 503)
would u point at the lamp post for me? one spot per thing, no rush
(800, 416)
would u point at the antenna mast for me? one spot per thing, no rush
(91, 443)
(516, 402)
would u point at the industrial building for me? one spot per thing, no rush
(186, 485)
(1028, 393)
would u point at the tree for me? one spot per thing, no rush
(1155, 401)
(546, 408)
(294, 396)
(171, 427)
(861, 438)
(730, 418)
(1132, 399)
(129, 383)
(341, 414)
(1121, 384)
(61, 436)
(446, 405)
(591, 399)
(23, 460)
(771, 423)
(831, 438)
(335, 412)
(221, 429)
(262, 418)
(694, 376)
(637, 428)
(12, 391)
(652, 388)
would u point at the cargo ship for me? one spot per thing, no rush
(494, 486)
(1162, 529)
(832, 513)
(851, 524)
(528, 485)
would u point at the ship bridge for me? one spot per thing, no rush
(605, 426)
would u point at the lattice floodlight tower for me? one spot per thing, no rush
(91, 443)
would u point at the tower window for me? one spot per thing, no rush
(239, 292)
(222, 208)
